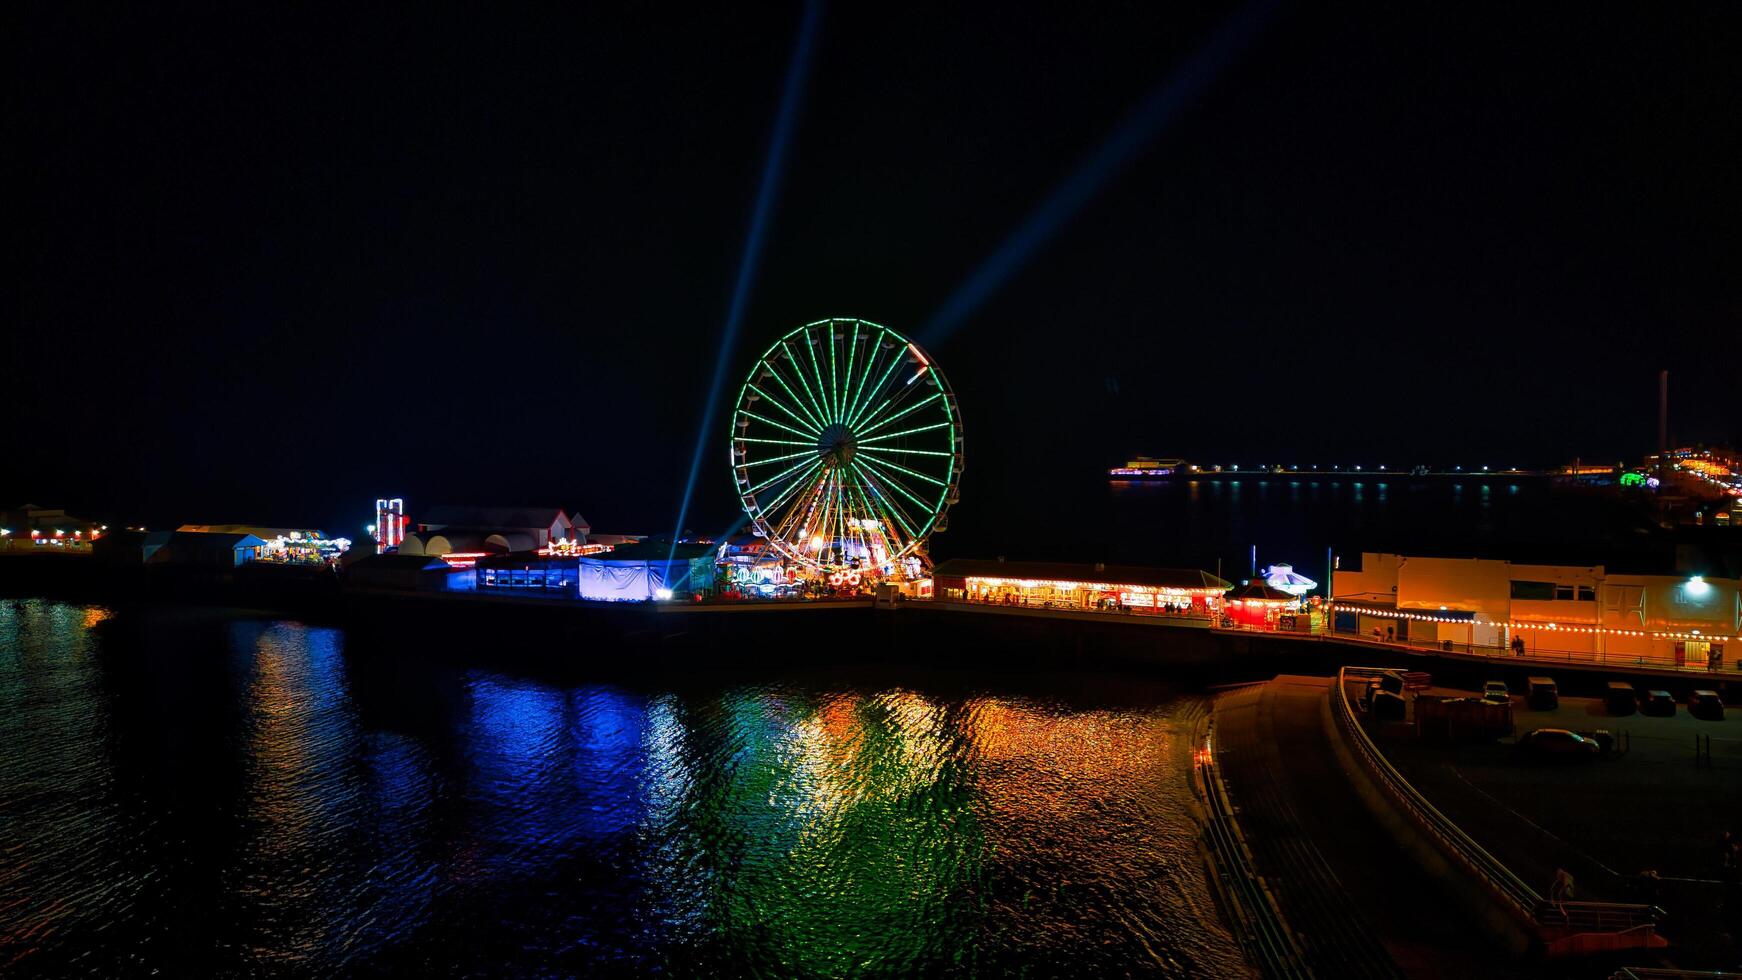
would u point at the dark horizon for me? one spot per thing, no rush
(271, 269)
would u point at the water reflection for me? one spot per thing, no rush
(855, 827)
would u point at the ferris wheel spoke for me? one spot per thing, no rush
(885, 525)
(865, 367)
(813, 403)
(840, 522)
(877, 481)
(799, 508)
(847, 378)
(783, 474)
(835, 383)
(812, 443)
(787, 491)
(801, 420)
(905, 432)
(889, 505)
(897, 467)
(817, 370)
(774, 372)
(776, 459)
(911, 452)
(875, 389)
(883, 419)
(901, 488)
(778, 425)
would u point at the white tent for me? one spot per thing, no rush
(637, 573)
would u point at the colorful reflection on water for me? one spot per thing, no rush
(186, 794)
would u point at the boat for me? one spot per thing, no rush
(1148, 468)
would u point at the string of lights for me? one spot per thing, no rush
(1522, 625)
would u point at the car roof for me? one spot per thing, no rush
(1705, 694)
(1555, 731)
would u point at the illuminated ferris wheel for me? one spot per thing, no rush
(847, 448)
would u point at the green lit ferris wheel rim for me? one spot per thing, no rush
(846, 446)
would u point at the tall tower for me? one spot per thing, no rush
(1662, 412)
(389, 524)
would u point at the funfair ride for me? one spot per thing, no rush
(847, 451)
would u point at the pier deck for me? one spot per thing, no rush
(1353, 901)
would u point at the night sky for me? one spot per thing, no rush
(269, 266)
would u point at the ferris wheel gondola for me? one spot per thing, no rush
(847, 448)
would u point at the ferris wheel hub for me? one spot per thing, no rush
(837, 443)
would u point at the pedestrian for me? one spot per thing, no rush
(1391, 634)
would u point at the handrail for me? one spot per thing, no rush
(1498, 877)
(1578, 916)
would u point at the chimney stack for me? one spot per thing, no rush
(1663, 412)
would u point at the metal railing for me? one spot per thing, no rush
(1508, 886)
(1568, 916)
(1572, 916)
(1264, 934)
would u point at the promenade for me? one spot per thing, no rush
(1351, 900)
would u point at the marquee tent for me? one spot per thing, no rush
(640, 572)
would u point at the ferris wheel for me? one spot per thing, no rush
(847, 448)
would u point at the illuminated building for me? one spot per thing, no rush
(1566, 610)
(297, 546)
(1259, 605)
(472, 532)
(531, 574)
(390, 523)
(1183, 591)
(47, 529)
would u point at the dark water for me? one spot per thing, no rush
(1294, 519)
(186, 793)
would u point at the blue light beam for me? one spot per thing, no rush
(1163, 103)
(797, 71)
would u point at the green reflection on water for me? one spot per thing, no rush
(842, 833)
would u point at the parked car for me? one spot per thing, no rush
(1602, 736)
(1707, 705)
(1557, 743)
(1497, 692)
(1542, 694)
(1620, 698)
(1657, 703)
